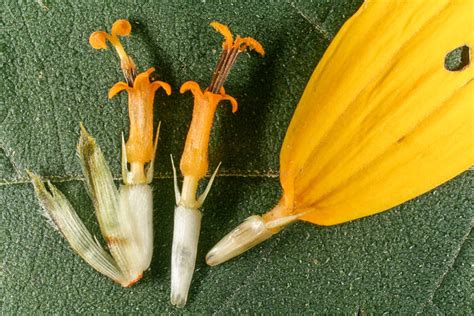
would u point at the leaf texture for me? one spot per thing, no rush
(415, 258)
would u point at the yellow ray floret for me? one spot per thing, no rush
(396, 124)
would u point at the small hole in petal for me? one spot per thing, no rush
(458, 59)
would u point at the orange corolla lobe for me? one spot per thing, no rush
(140, 146)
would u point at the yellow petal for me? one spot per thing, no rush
(381, 120)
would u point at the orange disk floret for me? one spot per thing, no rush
(194, 162)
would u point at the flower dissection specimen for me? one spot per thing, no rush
(125, 216)
(372, 132)
(194, 162)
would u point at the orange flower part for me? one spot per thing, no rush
(230, 50)
(241, 43)
(120, 28)
(194, 161)
(140, 145)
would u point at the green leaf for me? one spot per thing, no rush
(414, 258)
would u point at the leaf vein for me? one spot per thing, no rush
(451, 263)
(69, 178)
(9, 155)
(318, 26)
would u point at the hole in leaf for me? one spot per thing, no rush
(458, 59)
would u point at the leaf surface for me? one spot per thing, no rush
(414, 258)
